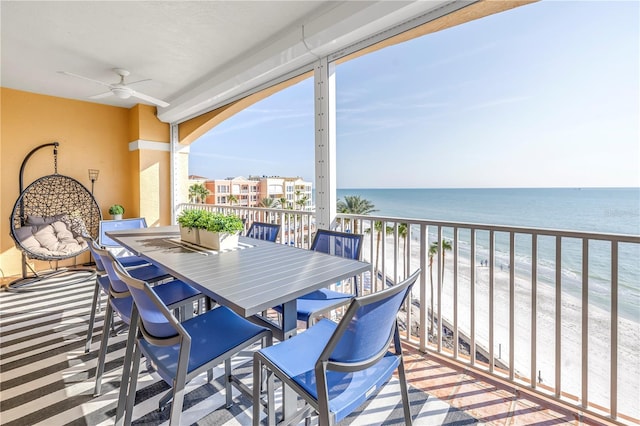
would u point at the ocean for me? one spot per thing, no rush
(600, 210)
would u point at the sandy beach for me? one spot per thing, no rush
(571, 331)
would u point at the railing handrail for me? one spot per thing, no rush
(623, 238)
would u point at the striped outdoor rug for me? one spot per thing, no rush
(47, 379)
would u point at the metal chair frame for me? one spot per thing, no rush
(326, 362)
(183, 338)
(340, 299)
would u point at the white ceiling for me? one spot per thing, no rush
(198, 54)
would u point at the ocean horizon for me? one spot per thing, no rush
(613, 210)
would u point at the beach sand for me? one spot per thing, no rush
(598, 355)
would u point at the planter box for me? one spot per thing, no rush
(190, 235)
(218, 240)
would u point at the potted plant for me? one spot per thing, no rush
(220, 231)
(190, 222)
(116, 211)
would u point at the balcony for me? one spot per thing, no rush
(46, 377)
(568, 347)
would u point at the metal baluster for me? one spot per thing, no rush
(585, 323)
(558, 360)
(534, 308)
(512, 297)
(472, 303)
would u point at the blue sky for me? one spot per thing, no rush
(546, 95)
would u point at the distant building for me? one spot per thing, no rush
(249, 192)
(197, 179)
(293, 190)
(238, 191)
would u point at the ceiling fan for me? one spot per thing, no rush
(121, 89)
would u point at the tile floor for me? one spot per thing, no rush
(488, 401)
(491, 402)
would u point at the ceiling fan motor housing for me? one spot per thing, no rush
(121, 92)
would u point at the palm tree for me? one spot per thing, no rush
(354, 204)
(269, 203)
(302, 202)
(232, 199)
(403, 232)
(204, 193)
(283, 202)
(198, 193)
(433, 251)
(298, 193)
(193, 193)
(446, 245)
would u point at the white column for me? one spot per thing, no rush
(175, 170)
(325, 140)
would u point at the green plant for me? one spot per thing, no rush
(227, 223)
(192, 218)
(116, 209)
(213, 222)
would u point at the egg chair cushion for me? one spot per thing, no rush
(50, 239)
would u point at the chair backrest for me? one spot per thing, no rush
(367, 328)
(109, 263)
(264, 231)
(341, 244)
(159, 326)
(118, 225)
(96, 257)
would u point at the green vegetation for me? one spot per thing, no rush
(198, 193)
(433, 251)
(354, 204)
(213, 222)
(269, 203)
(192, 218)
(116, 209)
(227, 223)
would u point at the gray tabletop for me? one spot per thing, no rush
(256, 276)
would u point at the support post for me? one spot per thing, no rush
(325, 143)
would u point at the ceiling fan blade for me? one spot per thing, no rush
(151, 99)
(102, 95)
(85, 78)
(138, 81)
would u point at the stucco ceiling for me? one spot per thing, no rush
(196, 53)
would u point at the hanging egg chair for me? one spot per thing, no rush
(48, 221)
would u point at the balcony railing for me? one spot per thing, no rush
(552, 311)
(297, 226)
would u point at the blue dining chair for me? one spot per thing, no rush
(180, 351)
(321, 301)
(264, 231)
(143, 269)
(174, 293)
(335, 368)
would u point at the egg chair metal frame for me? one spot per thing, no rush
(52, 196)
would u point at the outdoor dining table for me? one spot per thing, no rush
(250, 279)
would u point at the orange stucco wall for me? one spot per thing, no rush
(91, 136)
(150, 168)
